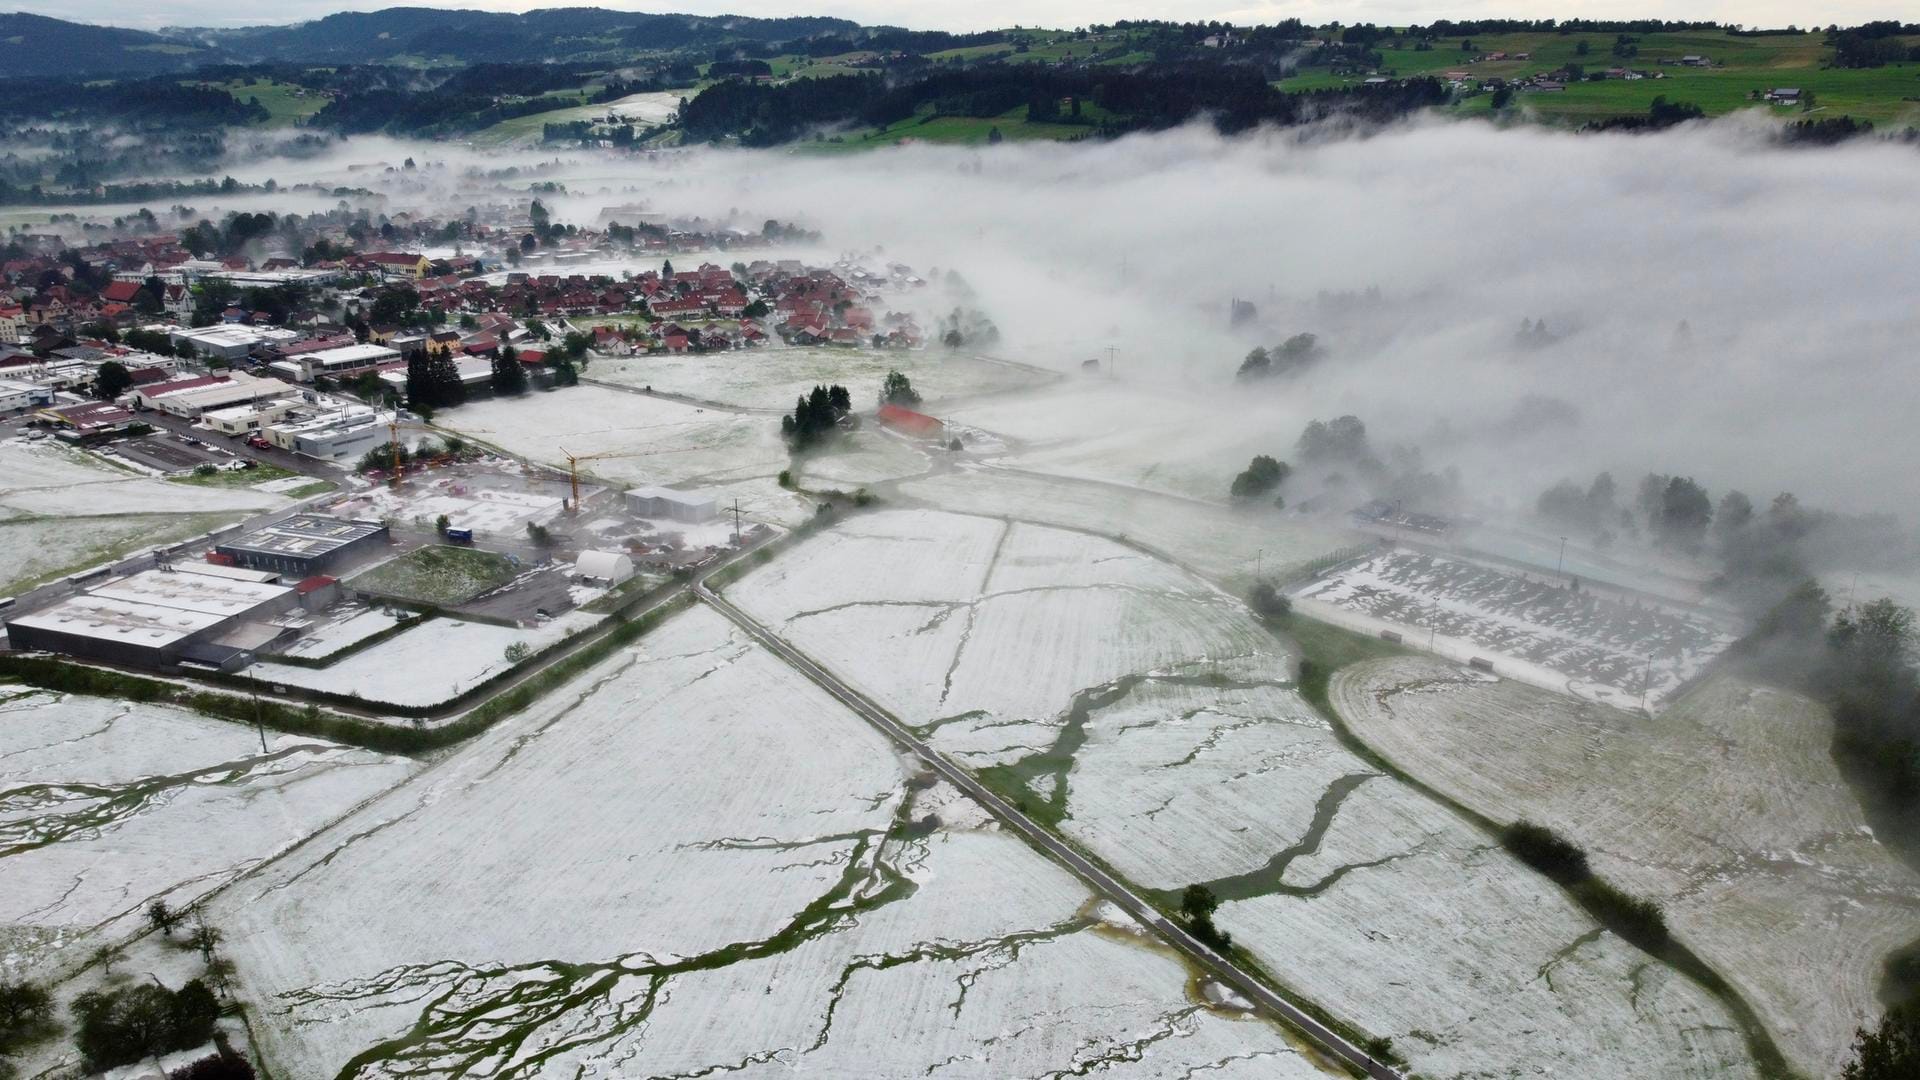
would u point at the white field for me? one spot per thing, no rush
(1212, 539)
(682, 865)
(649, 441)
(1157, 722)
(869, 456)
(771, 378)
(51, 479)
(1593, 646)
(1727, 809)
(427, 664)
(62, 510)
(1157, 438)
(106, 805)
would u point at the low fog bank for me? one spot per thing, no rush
(1713, 306)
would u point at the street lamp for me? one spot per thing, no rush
(1562, 560)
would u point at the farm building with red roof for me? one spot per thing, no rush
(911, 422)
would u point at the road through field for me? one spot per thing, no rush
(1102, 883)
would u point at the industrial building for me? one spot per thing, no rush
(230, 341)
(334, 437)
(162, 619)
(303, 545)
(343, 360)
(658, 502)
(189, 398)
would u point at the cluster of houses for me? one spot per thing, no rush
(271, 376)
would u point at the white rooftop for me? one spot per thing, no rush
(147, 625)
(352, 355)
(218, 596)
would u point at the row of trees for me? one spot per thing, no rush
(1289, 357)
(816, 416)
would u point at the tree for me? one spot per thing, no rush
(1296, 353)
(994, 137)
(816, 416)
(1198, 904)
(162, 918)
(539, 535)
(122, 1026)
(1890, 1051)
(108, 955)
(517, 652)
(1684, 512)
(1343, 439)
(1502, 98)
(898, 390)
(1267, 601)
(1257, 364)
(508, 375)
(1261, 477)
(112, 380)
(23, 1006)
(1734, 515)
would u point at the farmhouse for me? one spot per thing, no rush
(1784, 95)
(303, 545)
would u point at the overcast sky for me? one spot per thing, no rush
(987, 14)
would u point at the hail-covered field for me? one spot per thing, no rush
(772, 378)
(691, 861)
(106, 806)
(1600, 646)
(1156, 724)
(1159, 438)
(63, 510)
(1727, 809)
(427, 664)
(634, 439)
(1215, 540)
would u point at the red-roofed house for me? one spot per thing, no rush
(910, 422)
(120, 292)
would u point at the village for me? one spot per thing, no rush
(314, 381)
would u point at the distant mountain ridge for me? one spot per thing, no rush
(41, 46)
(37, 45)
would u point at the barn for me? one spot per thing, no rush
(912, 423)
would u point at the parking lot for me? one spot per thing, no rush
(168, 452)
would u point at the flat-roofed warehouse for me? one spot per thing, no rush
(157, 619)
(304, 544)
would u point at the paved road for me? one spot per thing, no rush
(1103, 883)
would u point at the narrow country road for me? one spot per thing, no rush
(1102, 883)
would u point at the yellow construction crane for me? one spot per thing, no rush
(573, 468)
(393, 441)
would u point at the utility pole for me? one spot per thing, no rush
(1646, 678)
(1258, 553)
(259, 725)
(1110, 354)
(736, 523)
(1561, 562)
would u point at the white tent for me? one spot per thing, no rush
(612, 567)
